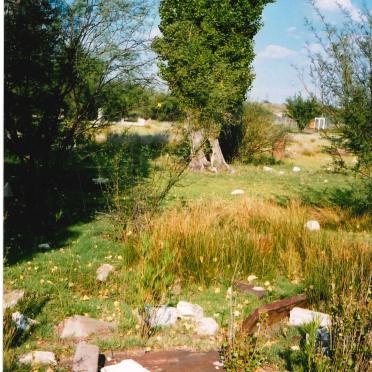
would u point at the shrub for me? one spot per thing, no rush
(259, 134)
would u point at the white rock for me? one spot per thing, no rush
(22, 322)
(281, 173)
(44, 246)
(229, 292)
(296, 169)
(100, 181)
(187, 310)
(252, 278)
(207, 327)
(259, 289)
(299, 316)
(82, 326)
(38, 357)
(127, 365)
(267, 169)
(312, 225)
(10, 298)
(162, 316)
(103, 271)
(237, 192)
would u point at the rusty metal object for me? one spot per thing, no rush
(248, 288)
(275, 311)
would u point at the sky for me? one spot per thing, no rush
(281, 45)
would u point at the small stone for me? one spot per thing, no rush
(229, 293)
(100, 181)
(218, 364)
(162, 316)
(11, 298)
(267, 169)
(296, 169)
(187, 310)
(299, 316)
(82, 326)
(85, 358)
(258, 289)
(44, 246)
(281, 173)
(312, 225)
(38, 357)
(127, 365)
(237, 192)
(103, 271)
(207, 327)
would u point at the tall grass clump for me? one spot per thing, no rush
(204, 242)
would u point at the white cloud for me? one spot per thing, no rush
(276, 52)
(334, 5)
(293, 32)
(313, 48)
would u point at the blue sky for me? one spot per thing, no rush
(281, 44)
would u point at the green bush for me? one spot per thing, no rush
(259, 134)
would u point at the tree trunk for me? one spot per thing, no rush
(218, 162)
(199, 161)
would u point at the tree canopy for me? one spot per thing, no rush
(205, 53)
(302, 110)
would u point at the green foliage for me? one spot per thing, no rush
(259, 133)
(206, 53)
(302, 110)
(349, 346)
(58, 58)
(242, 354)
(343, 72)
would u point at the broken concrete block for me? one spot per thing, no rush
(85, 358)
(299, 316)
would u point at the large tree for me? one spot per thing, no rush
(59, 57)
(302, 110)
(343, 72)
(206, 52)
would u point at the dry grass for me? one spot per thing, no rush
(206, 241)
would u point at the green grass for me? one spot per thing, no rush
(203, 233)
(259, 184)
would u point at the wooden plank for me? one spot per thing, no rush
(275, 311)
